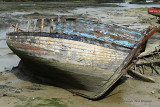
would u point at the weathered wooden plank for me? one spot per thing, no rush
(35, 24)
(28, 26)
(42, 25)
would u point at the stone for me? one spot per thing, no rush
(152, 92)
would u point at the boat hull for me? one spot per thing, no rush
(82, 65)
(86, 66)
(154, 11)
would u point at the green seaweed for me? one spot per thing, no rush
(40, 102)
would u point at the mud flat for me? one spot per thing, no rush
(18, 89)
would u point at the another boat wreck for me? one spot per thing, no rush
(154, 11)
(87, 56)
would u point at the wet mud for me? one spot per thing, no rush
(19, 89)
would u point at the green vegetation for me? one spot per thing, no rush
(138, 0)
(110, 1)
(40, 102)
(42, 0)
(144, 0)
(61, 0)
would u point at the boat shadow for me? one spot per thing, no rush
(26, 73)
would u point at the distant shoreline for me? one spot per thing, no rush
(144, 3)
(13, 6)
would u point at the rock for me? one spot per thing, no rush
(35, 87)
(4, 94)
(6, 87)
(152, 92)
(18, 91)
(7, 69)
(8, 82)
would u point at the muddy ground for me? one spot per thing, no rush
(18, 89)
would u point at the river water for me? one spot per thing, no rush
(7, 58)
(129, 6)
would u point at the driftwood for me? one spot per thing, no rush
(153, 69)
(150, 58)
(140, 76)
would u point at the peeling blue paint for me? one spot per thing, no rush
(115, 34)
(82, 34)
(68, 31)
(86, 22)
(90, 29)
(105, 32)
(68, 28)
(120, 42)
(92, 23)
(102, 26)
(135, 47)
(122, 30)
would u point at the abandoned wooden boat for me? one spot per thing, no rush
(154, 11)
(87, 56)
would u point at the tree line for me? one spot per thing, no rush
(144, 0)
(41, 0)
(61, 0)
(100, 1)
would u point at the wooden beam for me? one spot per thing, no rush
(35, 24)
(99, 21)
(140, 76)
(42, 24)
(10, 28)
(64, 20)
(15, 29)
(28, 26)
(58, 20)
(51, 28)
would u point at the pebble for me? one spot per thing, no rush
(18, 91)
(152, 92)
(8, 82)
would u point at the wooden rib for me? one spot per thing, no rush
(42, 24)
(35, 23)
(28, 26)
(51, 28)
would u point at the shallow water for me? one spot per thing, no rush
(7, 59)
(3, 33)
(129, 6)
